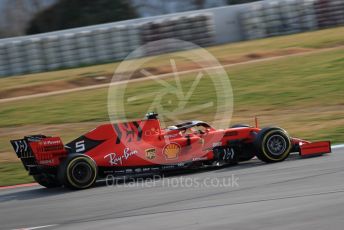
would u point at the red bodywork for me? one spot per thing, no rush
(144, 143)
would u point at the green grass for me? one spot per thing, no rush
(13, 173)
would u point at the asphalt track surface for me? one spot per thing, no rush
(295, 194)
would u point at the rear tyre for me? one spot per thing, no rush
(272, 145)
(47, 180)
(78, 172)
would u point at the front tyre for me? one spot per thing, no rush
(272, 145)
(78, 172)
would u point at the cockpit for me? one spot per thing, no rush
(191, 127)
(182, 129)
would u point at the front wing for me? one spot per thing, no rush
(315, 148)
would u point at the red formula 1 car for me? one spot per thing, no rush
(144, 147)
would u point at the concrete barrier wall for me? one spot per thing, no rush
(114, 41)
(99, 44)
(270, 18)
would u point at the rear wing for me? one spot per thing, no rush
(39, 150)
(24, 152)
(21, 148)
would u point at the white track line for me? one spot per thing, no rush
(337, 146)
(163, 75)
(38, 227)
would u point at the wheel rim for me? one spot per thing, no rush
(81, 172)
(276, 145)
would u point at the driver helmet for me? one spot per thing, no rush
(172, 127)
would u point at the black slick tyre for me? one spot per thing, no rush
(272, 145)
(78, 172)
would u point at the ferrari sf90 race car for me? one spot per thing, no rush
(139, 147)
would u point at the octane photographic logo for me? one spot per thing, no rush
(189, 84)
(230, 181)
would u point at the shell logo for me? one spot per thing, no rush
(171, 151)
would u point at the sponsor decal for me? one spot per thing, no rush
(129, 171)
(199, 158)
(139, 130)
(150, 153)
(129, 132)
(171, 151)
(44, 162)
(109, 172)
(172, 135)
(119, 171)
(118, 133)
(20, 146)
(50, 142)
(118, 160)
(216, 144)
(151, 132)
(155, 169)
(228, 154)
(47, 146)
(169, 166)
